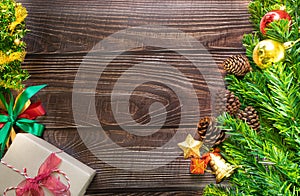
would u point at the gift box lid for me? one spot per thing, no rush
(28, 151)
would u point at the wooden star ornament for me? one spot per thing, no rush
(190, 147)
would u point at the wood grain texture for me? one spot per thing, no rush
(155, 193)
(63, 32)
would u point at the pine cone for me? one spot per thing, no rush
(237, 65)
(202, 126)
(232, 104)
(249, 114)
(226, 101)
(208, 130)
(221, 138)
(219, 102)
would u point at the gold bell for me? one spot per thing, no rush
(220, 167)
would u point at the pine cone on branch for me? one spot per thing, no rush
(232, 103)
(219, 102)
(221, 138)
(250, 116)
(209, 131)
(226, 101)
(237, 65)
(202, 127)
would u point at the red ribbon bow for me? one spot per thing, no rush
(45, 178)
(32, 112)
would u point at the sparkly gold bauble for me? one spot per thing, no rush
(268, 52)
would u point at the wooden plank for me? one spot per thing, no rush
(62, 33)
(76, 26)
(167, 193)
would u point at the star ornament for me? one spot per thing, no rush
(190, 147)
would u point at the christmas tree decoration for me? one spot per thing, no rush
(220, 167)
(232, 103)
(190, 147)
(198, 165)
(20, 15)
(20, 113)
(250, 116)
(268, 52)
(272, 16)
(4, 59)
(237, 65)
(290, 44)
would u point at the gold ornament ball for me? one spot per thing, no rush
(268, 52)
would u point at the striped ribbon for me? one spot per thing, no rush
(24, 173)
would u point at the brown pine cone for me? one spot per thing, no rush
(202, 127)
(221, 138)
(249, 114)
(219, 102)
(237, 65)
(232, 104)
(210, 132)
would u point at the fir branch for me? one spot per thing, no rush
(279, 31)
(249, 42)
(266, 166)
(213, 190)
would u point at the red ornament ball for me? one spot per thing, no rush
(273, 16)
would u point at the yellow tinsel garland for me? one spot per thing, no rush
(11, 57)
(20, 14)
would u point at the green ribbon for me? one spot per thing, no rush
(13, 111)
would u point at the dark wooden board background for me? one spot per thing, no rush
(62, 32)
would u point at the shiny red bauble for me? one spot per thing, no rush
(273, 16)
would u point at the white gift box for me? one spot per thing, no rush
(28, 151)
